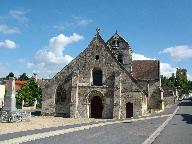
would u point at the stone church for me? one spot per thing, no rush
(104, 82)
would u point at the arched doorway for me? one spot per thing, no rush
(129, 110)
(96, 107)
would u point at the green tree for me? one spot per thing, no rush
(172, 80)
(163, 80)
(181, 80)
(23, 77)
(190, 86)
(29, 92)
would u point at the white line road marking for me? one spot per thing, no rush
(70, 130)
(159, 129)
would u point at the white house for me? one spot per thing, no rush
(2, 93)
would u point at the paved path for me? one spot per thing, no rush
(128, 131)
(179, 129)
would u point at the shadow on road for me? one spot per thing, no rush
(187, 118)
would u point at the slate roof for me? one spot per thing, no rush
(146, 69)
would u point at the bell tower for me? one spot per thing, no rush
(121, 50)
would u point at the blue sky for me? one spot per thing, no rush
(43, 36)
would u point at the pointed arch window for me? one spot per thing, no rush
(97, 77)
(60, 94)
(120, 58)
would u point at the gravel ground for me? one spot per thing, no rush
(42, 122)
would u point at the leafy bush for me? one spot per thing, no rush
(29, 92)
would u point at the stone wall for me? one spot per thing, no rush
(86, 93)
(129, 92)
(118, 85)
(169, 96)
(169, 101)
(63, 108)
(152, 87)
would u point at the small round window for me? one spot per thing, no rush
(97, 57)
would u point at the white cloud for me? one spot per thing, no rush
(51, 59)
(44, 70)
(53, 53)
(189, 77)
(82, 21)
(140, 57)
(30, 65)
(8, 44)
(8, 30)
(75, 22)
(167, 69)
(19, 15)
(179, 52)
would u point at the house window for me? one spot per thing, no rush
(97, 77)
(60, 94)
(120, 58)
(97, 57)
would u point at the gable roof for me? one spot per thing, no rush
(97, 41)
(118, 36)
(146, 69)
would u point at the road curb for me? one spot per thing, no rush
(152, 137)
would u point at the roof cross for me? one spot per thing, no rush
(97, 30)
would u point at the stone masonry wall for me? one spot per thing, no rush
(63, 108)
(154, 93)
(169, 101)
(82, 84)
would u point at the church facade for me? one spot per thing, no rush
(104, 82)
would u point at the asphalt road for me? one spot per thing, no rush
(121, 133)
(179, 129)
(135, 132)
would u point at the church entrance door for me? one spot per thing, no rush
(96, 107)
(129, 110)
